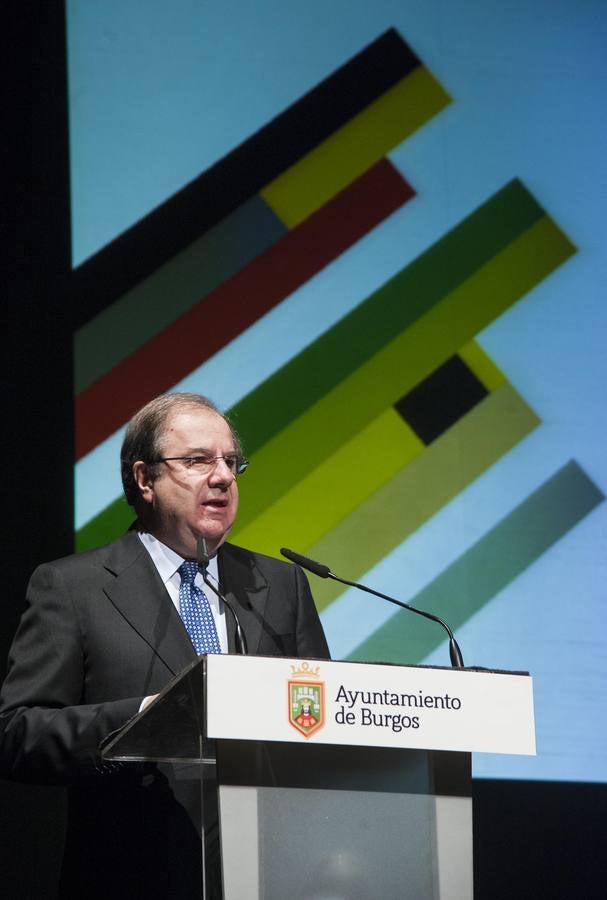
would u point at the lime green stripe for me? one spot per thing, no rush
(395, 306)
(171, 290)
(417, 492)
(495, 561)
(354, 148)
(337, 486)
(401, 365)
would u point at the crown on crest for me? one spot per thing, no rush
(304, 670)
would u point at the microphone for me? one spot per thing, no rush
(202, 554)
(203, 557)
(455, 654)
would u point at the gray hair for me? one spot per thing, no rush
(145, 432)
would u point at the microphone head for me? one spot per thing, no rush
(311, 565)
(202, 554)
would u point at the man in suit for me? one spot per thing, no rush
(104, 631)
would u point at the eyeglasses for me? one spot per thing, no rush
(202, 463)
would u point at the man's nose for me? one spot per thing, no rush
(221, 472)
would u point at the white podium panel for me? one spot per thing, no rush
(359, 704)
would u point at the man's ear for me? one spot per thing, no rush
(144, 480)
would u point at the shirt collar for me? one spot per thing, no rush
(166, 560)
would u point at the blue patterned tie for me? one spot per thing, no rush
(195, 611)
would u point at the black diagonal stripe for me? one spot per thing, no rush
(239, 175)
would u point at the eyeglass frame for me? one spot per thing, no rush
(240, 463)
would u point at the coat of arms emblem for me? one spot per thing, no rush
(306, 699)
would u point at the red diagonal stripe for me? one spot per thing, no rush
(171, 355)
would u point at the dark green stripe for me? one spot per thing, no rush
(111, 522)
(497, 559)
(416, 289)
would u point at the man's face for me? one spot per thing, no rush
(183, 503)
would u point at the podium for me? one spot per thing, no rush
(333, 779)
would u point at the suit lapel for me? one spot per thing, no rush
(137, 591)
(246, 588)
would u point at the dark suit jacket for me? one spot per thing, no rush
(100, 633)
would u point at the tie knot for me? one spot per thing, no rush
(188, 570)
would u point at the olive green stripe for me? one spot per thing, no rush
(352, 149)
(338, 485)
(422, 488)
(486, 568)
(307, 511)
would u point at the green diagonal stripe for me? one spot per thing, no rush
(107, 525)
(495, 561)
(391, 309)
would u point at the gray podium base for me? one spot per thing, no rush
(344, 824)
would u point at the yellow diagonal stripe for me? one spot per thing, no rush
(421, 489)
(401, 364)
(355, 147)
(337, 486)
(482, 365)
